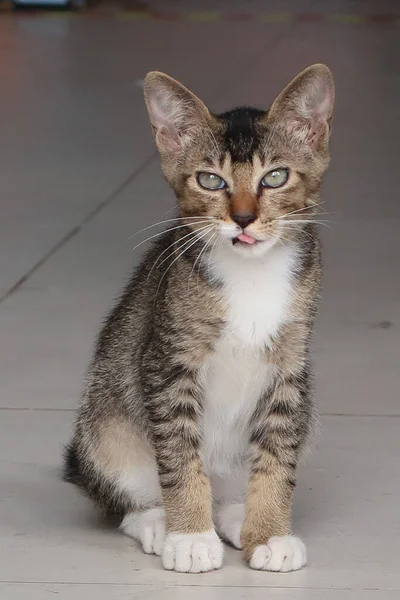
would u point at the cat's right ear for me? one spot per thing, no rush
(176, 114)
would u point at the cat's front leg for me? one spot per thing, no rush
(174, 407)
(279, 428)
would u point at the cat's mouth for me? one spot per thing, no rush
(243, 238)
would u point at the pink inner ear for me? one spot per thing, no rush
(316, 131)
(322, 102)
(169, 138)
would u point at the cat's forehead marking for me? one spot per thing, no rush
(241, 133)
(258, 170)
(226, 163)
(243, 176)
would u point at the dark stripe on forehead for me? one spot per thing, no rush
(241, 136)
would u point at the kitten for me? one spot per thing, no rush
(198, 399)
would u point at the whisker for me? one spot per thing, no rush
(214, 236)
(297, 211)
(165, 231)
(169, 221)
(192, 243)
(197, 259)
(210, 255)
(170, 210)
(191, 233)
(281, 238)
(184, 246)
(298, 230)
(302, 221)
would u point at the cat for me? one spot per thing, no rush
(198, 400)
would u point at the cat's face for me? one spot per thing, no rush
(237, 176)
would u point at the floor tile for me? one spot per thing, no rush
(123, 592)
(86, 129)
(79, 178)
(346, 509)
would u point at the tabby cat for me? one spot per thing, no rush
(198, 400)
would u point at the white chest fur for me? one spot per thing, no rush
(257, 292)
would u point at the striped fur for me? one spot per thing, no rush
(199, 393)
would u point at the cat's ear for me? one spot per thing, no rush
(176, 114)
(304, 108)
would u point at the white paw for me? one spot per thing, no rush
(147, 527)
(192, 552)
(281, 553)
(229, 520)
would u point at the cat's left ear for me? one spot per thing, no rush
(176, 114)
(304, 108)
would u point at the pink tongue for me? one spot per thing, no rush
(247, 239)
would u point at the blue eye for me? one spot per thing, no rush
(210, 181)
(275, 178)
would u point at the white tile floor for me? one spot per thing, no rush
(78, 177)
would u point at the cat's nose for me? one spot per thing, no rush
(243, 220)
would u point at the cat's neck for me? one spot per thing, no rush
(226, 265)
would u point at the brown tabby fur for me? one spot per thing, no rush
(144, 394)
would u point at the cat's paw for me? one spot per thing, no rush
(147, 527)
(229, 520)
(192, 552)
(281, 553)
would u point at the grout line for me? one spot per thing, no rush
(73, 232)
(345, 415)
(113, 195)
(352, 415)
(36, 409)
(165, 586)
(40, 262)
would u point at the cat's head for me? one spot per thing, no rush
(244, 171)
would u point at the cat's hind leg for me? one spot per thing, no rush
(147, 527)
(136, 478)
(229, 508)
(229, 519)
(116, 467)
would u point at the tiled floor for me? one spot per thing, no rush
(79, 176)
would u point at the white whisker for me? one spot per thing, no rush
(302, 221)
(192, 243)
(169, 221)
(295, 211)
(216, 237)
(198, 257)
(194, 234)
(298, 230)
(191, 233)
(210, 255)
(169, 210)
(165, 231)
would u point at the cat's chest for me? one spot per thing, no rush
(257, 298)
(257, 294)
(235, 378)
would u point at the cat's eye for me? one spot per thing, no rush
(210, 181)
(275, 178)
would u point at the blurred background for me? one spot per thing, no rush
(79, 176)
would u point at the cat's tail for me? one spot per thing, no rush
(103, 492)
(72, 470)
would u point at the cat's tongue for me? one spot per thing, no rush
(246, 239)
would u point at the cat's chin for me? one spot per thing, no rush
(256, 250)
